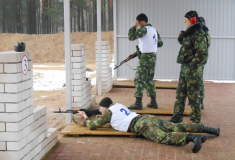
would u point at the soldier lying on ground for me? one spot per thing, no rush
(151, 127)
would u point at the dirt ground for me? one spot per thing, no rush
(49, 48)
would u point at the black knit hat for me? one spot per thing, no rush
(142, 17)
(105, 102)
(191, 14)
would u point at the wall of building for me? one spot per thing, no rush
(167, 16)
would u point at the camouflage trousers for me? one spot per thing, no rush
(191, 85)
(165, 132)
(144, 75)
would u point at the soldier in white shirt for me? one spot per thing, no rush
(151, 127)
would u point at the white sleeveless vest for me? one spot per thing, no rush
(121, 117)
(148, 43)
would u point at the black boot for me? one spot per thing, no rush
(176, 119)
(210, 130)
(153, 103)
(137, 105)
(202, 105)
(197, 141)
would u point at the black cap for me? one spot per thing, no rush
(105, 102)
(20, 47)
(191, 14)
(142, 17)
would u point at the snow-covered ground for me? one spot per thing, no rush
(47, 80)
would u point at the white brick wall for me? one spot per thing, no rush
(26, 94)
(10, 78)
(11, 136)
(12, 68)
(79, 88)
(1, 68)
(2, 88)
(29, 84)
(31, 74)
(15, 146)
(78, 65)
(2, 147)
(5, 97)
(17, 107)
(15, 117)
(78, 70)
(30, 65)
(36, 132)
(2, 107)
(77, 53)
(25, 77)
(15, 127)
(78, 82)
(15, 88)
(77, 47)
(10, 57)
(102, 51)
(2, 127)
(77, 59)
(79, 76)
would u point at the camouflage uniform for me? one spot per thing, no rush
(205, 29)
(193, 56)
(153, 128)
(145, 71)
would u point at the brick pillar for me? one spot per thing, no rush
(23, 127)
(107, 80)
(81, 89)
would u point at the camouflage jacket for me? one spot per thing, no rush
(194, 49)
(99, 122)
(134, 34)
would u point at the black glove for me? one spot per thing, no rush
(181, 37)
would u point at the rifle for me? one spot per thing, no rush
(131, 56)
(89, 112)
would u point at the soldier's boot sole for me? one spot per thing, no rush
(134, 107)
(197, 144)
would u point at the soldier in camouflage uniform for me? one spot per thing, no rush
(192, 56)
(151, 127)
(206, 30)
(149, 40)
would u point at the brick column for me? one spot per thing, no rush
(81, 89)
(107, 80)
(23, 127)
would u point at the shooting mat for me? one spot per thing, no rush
(158, 84)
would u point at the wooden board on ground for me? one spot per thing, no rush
(77, 130)
(74, 129)
(167, 110)
(158, 84)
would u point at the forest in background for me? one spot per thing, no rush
(47, 16)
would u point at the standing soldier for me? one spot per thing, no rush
(192, 56)
(149, 40)
(206, 30)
